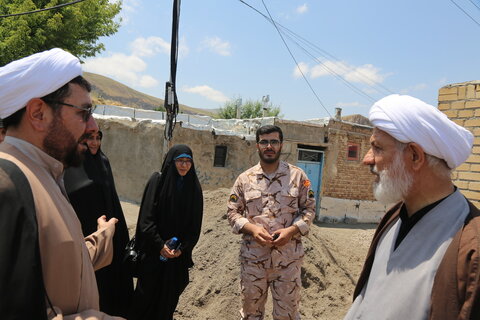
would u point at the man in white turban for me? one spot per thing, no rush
(424, 260)
(46, 264)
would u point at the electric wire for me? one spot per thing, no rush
(369, 81)
(293, 57)
(478, 24)
(376, 86)
(336, 75)
(366, 79)
(40, 10)
(476, 5)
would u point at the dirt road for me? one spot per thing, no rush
(333, 260)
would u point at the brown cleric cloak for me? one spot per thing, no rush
(67, 258)
(456, 288)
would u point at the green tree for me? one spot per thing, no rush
(75, 28)
(248, 110)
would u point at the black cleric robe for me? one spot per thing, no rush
(21, 281)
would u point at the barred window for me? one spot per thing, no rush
(220, 156)
(307, 155)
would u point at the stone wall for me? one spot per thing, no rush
(136, 149)
(461, 103)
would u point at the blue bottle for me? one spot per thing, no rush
(172, 243)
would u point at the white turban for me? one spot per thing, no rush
(34, 77)
(409, 119)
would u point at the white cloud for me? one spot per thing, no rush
(122, 67)
(327, 67)
(348, 104)
(130, 69)
(302, 9)
(303, 67)
(147, 47)
(367, 73)
(151, 46)
(147, 81)
(207, 92)
(118, 64)
(217, 45)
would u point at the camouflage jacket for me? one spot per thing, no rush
(278, 202)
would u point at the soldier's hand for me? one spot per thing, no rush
(258, 233)
(282, 236)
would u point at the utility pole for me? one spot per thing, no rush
(265, 100)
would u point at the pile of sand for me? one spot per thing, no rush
(333, 260)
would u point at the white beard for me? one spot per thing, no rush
(394, 182)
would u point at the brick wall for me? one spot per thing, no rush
(343, 178)
(461, 103)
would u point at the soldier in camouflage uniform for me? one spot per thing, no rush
(272, 205)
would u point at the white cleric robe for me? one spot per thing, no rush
(400, 283)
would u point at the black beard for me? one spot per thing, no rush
(270, 160)
(60, 144)
(74, 159)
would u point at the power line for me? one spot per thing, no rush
(40, 10)
(299, 69)
(335, 74)
(368, 80)
(476, 5)
(478, 24)
(376, 86)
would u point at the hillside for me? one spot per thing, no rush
(111, 92)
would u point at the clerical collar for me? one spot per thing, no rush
(409, 222)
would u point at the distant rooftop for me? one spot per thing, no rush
(239, 127)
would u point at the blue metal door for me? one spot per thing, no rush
(311, 161)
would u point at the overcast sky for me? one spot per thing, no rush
(351, 52)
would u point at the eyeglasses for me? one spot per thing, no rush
(265, 143)
(87, 111)
(183, 162)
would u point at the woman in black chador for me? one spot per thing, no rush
(92, 193)
(172, 206)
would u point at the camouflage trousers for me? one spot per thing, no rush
(284, 284)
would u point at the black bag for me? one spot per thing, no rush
(132, 258)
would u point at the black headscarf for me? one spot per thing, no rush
(172, 206)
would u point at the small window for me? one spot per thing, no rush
(312, 156)
(352, 152)
(220, 156)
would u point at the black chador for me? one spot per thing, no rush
(92, 193)
(172, 206)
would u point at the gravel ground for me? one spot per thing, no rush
(333, 260)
